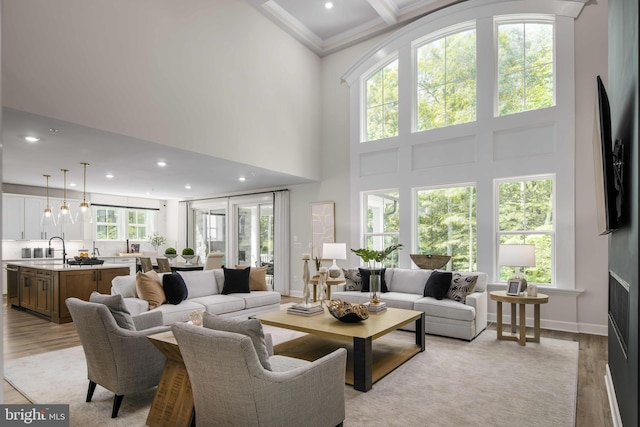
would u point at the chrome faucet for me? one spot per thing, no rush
(64, 250)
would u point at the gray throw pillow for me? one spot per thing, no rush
(353, 280)
(117, 307)
(461, 286)
(250, 327)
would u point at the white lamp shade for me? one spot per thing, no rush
(517, 256)
(334, 250)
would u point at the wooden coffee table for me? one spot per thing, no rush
(365, 364)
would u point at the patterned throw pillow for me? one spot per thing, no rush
(353, 280)
(461, 286)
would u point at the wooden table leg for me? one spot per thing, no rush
(362, 364)
(536, 323)
(513, 318)
(523, 325)
(499, 319)
(315, 298)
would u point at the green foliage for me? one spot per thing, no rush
(170, 251)
(525, 66)
(188, 251)
(446, 73)
(371, 255)
(382, 103)
(526, 217)
(447, 225)
(157, 240)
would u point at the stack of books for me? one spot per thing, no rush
(375, 308)
(305, 310)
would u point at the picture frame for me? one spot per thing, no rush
(514, 286)
(323, 228)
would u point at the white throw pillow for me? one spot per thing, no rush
(200, 283)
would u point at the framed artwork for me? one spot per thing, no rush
(323, 229)
(514, 287)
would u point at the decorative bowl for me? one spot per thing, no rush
(347, 312)
(430, 262)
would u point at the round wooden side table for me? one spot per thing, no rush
(522, 301)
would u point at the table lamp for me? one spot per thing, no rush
(334, 251)
(517, 256)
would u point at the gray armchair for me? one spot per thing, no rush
(120, 360)
(231, 387)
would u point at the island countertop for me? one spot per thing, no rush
(58, 266)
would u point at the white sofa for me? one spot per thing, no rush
(445, 317)
(204, 293)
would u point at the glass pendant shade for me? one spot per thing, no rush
(64, 214)
(83, 216)
(48, 220)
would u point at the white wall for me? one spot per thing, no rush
(212, 76)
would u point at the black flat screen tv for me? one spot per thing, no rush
(606, 191)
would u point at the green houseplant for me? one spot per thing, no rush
(371, 257)
(156, 241)
(188, 254)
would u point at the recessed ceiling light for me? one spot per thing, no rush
(72, 184)
(53, 130)
(188, 187)
(161, 163)
(31, 139)
(109, 175)
(328, 5)
(242, 179)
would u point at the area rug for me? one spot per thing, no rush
(453, 383)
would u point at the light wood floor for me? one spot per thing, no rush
(26, 334)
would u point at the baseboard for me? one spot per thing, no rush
(593, 329)
(613, 401)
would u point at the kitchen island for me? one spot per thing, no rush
(42, 287)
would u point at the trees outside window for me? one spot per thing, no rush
(382, 103)
(525, 209)
(107, 224)
(137, 224)
(446, 224)
(382, 219)
(446, 81)
(525, 66)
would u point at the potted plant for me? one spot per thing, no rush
(371, 257)
(170, 253)
(188, 254)
(156, 241)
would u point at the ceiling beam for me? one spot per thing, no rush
(387, 10)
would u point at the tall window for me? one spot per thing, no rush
(447, 225)
(107, 224)
(138, 224)
(382, 103)
(382, 219)
(446, 81)
(525, 66)
(526, 216)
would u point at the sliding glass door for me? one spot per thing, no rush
(210, 229)
(254, 236)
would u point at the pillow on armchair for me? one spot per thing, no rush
(117, 307)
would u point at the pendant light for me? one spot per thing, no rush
(84, 214)
(64, 216)
(48, 219)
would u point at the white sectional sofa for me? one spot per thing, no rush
(204, 293)
(445, 317)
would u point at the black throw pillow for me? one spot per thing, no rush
(438, 284)
(236, 281)
(174, 288)
(365, 273)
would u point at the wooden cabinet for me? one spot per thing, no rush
(44, 291)
(28, 288)
(80, 283)
(36, 290)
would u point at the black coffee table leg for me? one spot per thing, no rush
(362, 364)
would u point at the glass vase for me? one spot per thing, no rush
(374, 289)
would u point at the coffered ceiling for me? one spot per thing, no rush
(326, 29)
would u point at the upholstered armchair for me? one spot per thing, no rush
(121, 360)
(231, 386)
